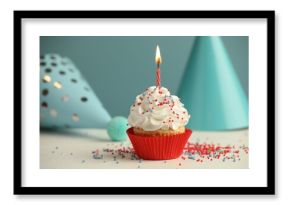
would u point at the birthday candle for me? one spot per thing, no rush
(158, 62)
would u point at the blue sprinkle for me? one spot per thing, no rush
(191, 157)
(98, 157)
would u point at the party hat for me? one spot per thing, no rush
(66, 99)
(210, 88)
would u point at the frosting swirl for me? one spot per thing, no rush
(156, 109)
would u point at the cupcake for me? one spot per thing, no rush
(157, 121)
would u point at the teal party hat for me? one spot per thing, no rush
(210, 88)
(66, 98)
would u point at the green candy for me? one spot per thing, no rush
(117, 128)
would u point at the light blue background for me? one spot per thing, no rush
(119, 68)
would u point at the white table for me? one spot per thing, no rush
(72, 149)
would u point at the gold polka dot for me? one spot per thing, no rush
(57, 85)
(53, 113)
(46, 79)
(64, 98)
(75, 117)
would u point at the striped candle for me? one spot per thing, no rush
(158, 81)
(158, 62)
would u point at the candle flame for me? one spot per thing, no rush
(158, 59)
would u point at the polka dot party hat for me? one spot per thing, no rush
(66, 99)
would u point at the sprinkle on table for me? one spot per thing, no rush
(196, 152)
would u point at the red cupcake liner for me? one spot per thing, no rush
(159, 147)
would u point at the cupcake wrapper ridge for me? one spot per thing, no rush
(159, 147)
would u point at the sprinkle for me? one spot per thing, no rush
(201, 152)
(195, 152)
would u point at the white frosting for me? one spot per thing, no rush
(156, 109)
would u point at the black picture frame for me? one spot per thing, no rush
(268, 190)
